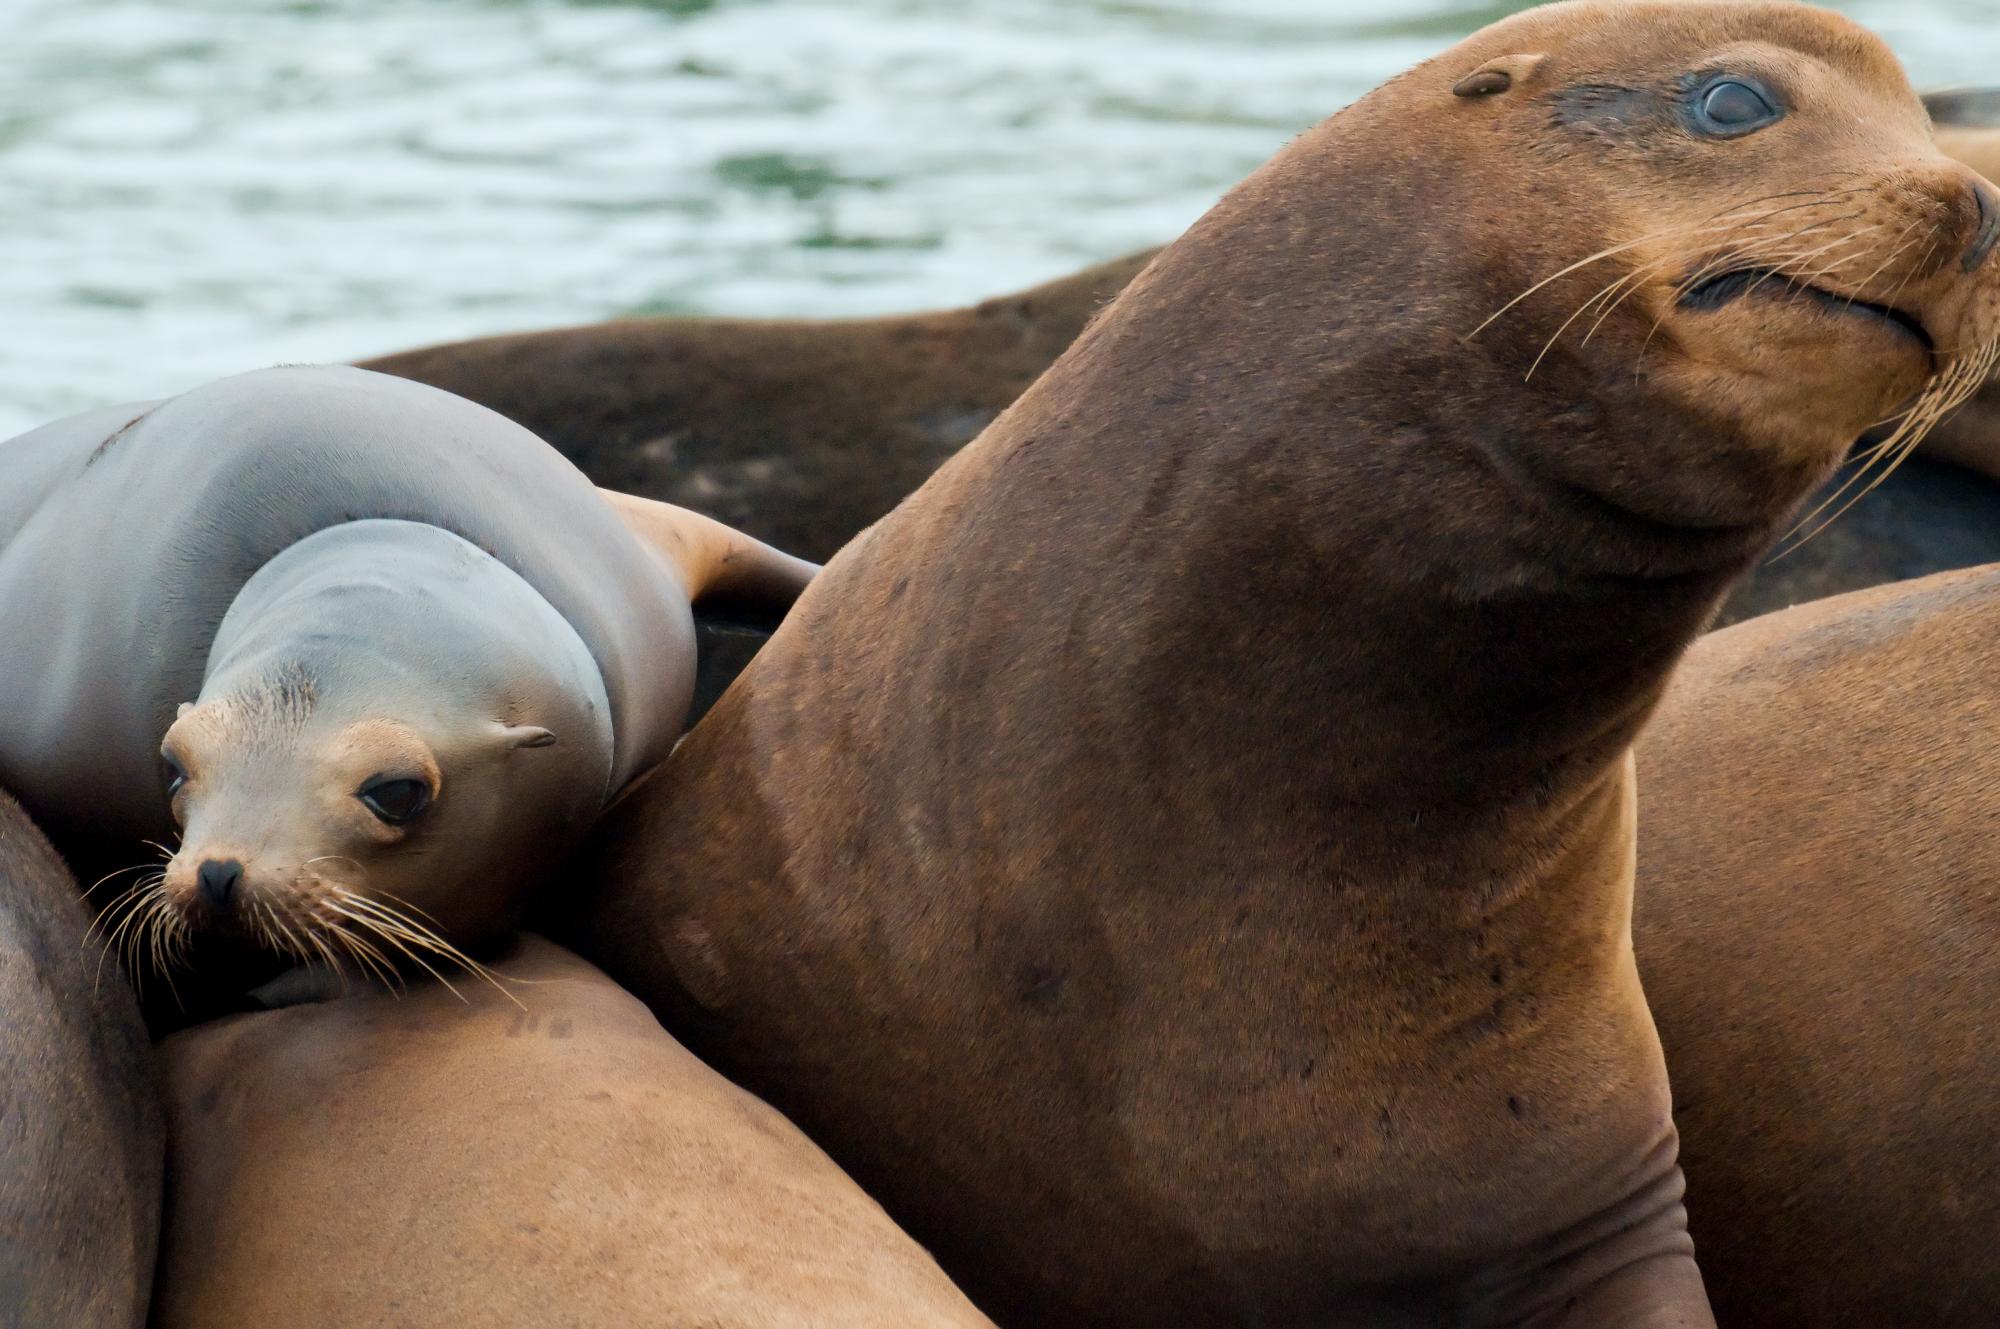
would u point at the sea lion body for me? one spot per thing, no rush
(558, 1162)
(1240, 933)
(1817, 905)
(291, 583)
(82, 1138)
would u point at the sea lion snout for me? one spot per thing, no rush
(1988, 232)
(216, 881)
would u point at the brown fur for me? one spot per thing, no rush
(1817, 912)
(81, 1136)
(425, 1162)
(1180, 860)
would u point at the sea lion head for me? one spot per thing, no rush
(397, 736)
(1737, 208)
(1637, 273)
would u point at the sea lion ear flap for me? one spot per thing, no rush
(730, 578)
(526, 736)
(1497, 76)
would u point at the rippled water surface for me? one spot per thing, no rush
(191, 187)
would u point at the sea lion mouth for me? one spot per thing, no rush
(1731, 286)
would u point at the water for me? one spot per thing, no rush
(193, 187)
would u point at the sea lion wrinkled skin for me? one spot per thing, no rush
(84, 1139)
(1240, 933)
(560, 1164)
(1817, 904)
(379, 653)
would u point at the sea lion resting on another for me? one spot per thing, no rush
(392, 652)
(1817, 905)
(84, 1142)
(371, 1162)
(1240, 933)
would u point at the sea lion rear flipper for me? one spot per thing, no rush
(729, 576)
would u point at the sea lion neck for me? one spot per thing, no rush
(1341, 535)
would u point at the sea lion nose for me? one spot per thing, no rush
(217, 880)
(1988, 232)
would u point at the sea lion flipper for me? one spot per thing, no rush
(728, 575)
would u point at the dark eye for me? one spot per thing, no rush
(1733, 107)
(395, 801)
(176, 776)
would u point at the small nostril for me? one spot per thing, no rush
(217, 880)
(1988, 233)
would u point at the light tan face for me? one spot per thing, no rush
(364, 840)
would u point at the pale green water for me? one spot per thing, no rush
(193, 187)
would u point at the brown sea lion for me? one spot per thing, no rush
(81, 1137)
(376, 653)
(1180, 860)
(1817, 911)
(560, 1163)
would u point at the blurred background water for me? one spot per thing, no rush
(194, 187)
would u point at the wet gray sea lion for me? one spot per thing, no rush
(558, 1164)
(379, 654)
(81, 1136)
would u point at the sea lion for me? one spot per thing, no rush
(82, 1141)
(1817, 905)
(378, 653)
(426, 1162)
(1180, 860)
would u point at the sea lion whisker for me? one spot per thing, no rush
(420, 935)
(157, 926)
(1946, 392)
(1783, 270)
(379, 929)
(318, 939)
(366, 954)
(129, 904)
(1902, 242)
(405, 907)
(1633, 282)
(291, 944)
(1581, 309)
(1599, 256)
(96, 885)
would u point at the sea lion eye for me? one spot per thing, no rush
(176, 775)
(1732, 106)
(394, 801)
